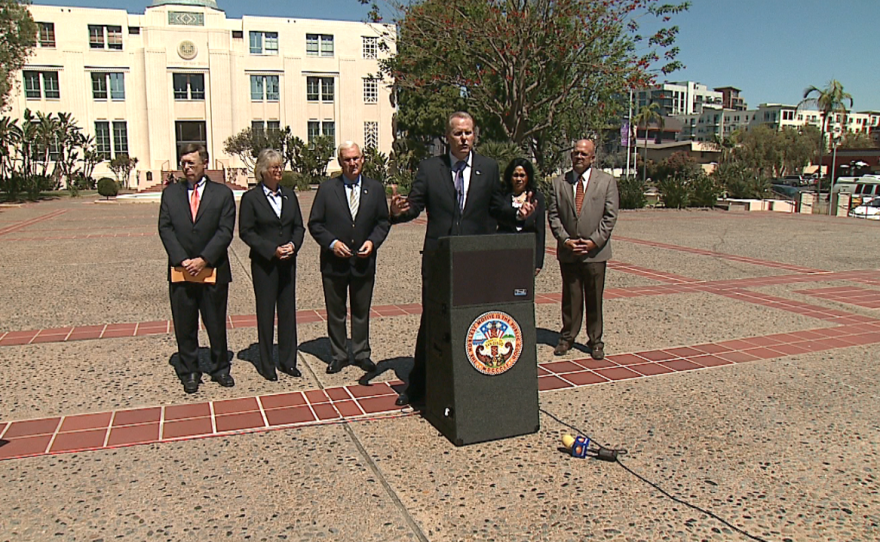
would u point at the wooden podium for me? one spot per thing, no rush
(482, 371)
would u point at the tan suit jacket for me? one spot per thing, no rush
(595, 221)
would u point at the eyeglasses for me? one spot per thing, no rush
(584, 154)
(184, 165)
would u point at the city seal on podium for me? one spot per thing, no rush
(494, 343)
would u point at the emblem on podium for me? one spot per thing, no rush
(494, 343)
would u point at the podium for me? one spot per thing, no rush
(482, 369)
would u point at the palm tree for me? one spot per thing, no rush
(829, 100)
(649, 114)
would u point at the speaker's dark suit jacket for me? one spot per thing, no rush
(274, 280)
(433, 190)
(353, 277)
(330, 219)
(208, 237)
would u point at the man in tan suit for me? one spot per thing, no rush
(582, 210)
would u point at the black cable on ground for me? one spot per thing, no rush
(612, 454)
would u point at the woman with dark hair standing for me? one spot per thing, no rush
(519, 185)
(271, 224)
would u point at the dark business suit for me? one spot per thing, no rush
(330, 219)
(534, 224)
(583, 276)
(274, 280)
(208, 237)
(433, 190)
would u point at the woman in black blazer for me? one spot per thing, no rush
(271, 224)
(519, 182)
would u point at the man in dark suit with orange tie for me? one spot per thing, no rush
(463, 195)
(196, 221)
(349, 220)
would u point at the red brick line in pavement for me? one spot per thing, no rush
(732, 257)
(107, 430)
(734, 289)
(25, 223)
(862, 297)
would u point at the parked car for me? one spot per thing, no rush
(869, 210)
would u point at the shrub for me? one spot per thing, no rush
(296, 181)
(704, 191)
(107, 187)
(631, 190)
(403, 179)
(676, 192)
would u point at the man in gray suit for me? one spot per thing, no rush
(582, 210)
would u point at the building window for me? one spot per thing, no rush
(120, 138)
(314, 129)
(320, 89)
(371, 91)
(238, 34)
(102, 82)
(108, 147)
(264, 88)
(319, 44)
(102, 139)
(105, 37)
(134, 31)
(189, 86)
(265, 127)
(371, 47)
(41, 85)
(328, 129)
(264, 43)
(46, 34)
(371, 135)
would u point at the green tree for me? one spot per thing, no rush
(122, 166)
(857, 140)
(539, 73)
(647, 115)
(19, 33)
(375, 164)
(830, 100)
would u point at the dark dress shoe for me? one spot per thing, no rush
(335, 366)
(191, 383)
(562, 348)
(597, 352)
(224, 380)
(271, 377)
(290, 371)
(404, 399)
(366, 364)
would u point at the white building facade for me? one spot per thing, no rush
(182, 72)
(679, 98)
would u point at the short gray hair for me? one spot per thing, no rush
(459, 115)
(347, 145)
(267, 159)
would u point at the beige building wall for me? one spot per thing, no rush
(200, 41)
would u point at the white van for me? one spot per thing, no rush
(864, 187)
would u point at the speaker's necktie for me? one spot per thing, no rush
(459, 183)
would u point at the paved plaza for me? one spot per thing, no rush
(741, 376)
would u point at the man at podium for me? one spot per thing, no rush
(463, 195)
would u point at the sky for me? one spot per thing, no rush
(770, 49)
